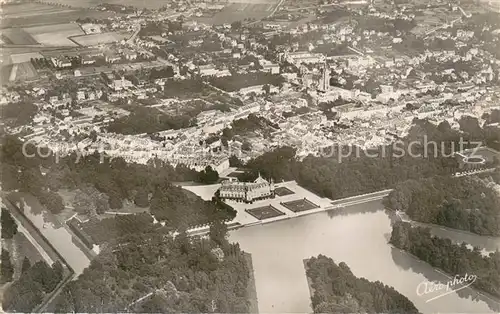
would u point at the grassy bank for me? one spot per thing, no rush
(251, 289)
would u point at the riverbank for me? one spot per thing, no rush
(309, 280)
(488, 244)
(405, 218)
(53, 231)
(359, 237)
(244, 219)
(473, 289)
(251, 289)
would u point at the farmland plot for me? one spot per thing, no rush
(17, 36)
(102, 38)
(32, 14)
(55, 35)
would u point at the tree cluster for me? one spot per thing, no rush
(6, 267)
(26, 293)
(182, 274)
(9, 226)
(114, 228)
(88, 200)
(182, 208)
(24, 173)
(149, 120)
(104, 182)
(246, 126)
(337, 290)
(465, 203)
(164, 72)
(18, 114)
(236, 82)
(208, 176)
(333, 176)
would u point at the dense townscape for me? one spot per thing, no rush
(158, 156)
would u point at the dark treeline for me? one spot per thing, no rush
(183, 275)
(329, 178)
(334, 176)
(113, 228)
(117, 278)
(452, 258)
(23, 173)
(9, 226)
(24, 294)
(337, 290)
(6, 267)
(466, 203)
(118, 180)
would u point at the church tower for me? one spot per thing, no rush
(325, 81)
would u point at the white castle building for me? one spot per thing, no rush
(246, 191)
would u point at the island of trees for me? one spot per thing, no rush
(336, 290)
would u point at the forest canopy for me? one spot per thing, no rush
(337, 290)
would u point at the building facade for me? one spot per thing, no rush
(246, 191)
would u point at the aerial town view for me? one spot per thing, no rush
(250, 156)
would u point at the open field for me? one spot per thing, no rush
(56, 34)
(32, 14)
(9, 53)
(98, 39)
(240, 11)
(17, 36)
(55, 28)
(148, 4)
(24, 57)
(29, 9)
(24, 71)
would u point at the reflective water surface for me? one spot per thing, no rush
(358, 235)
